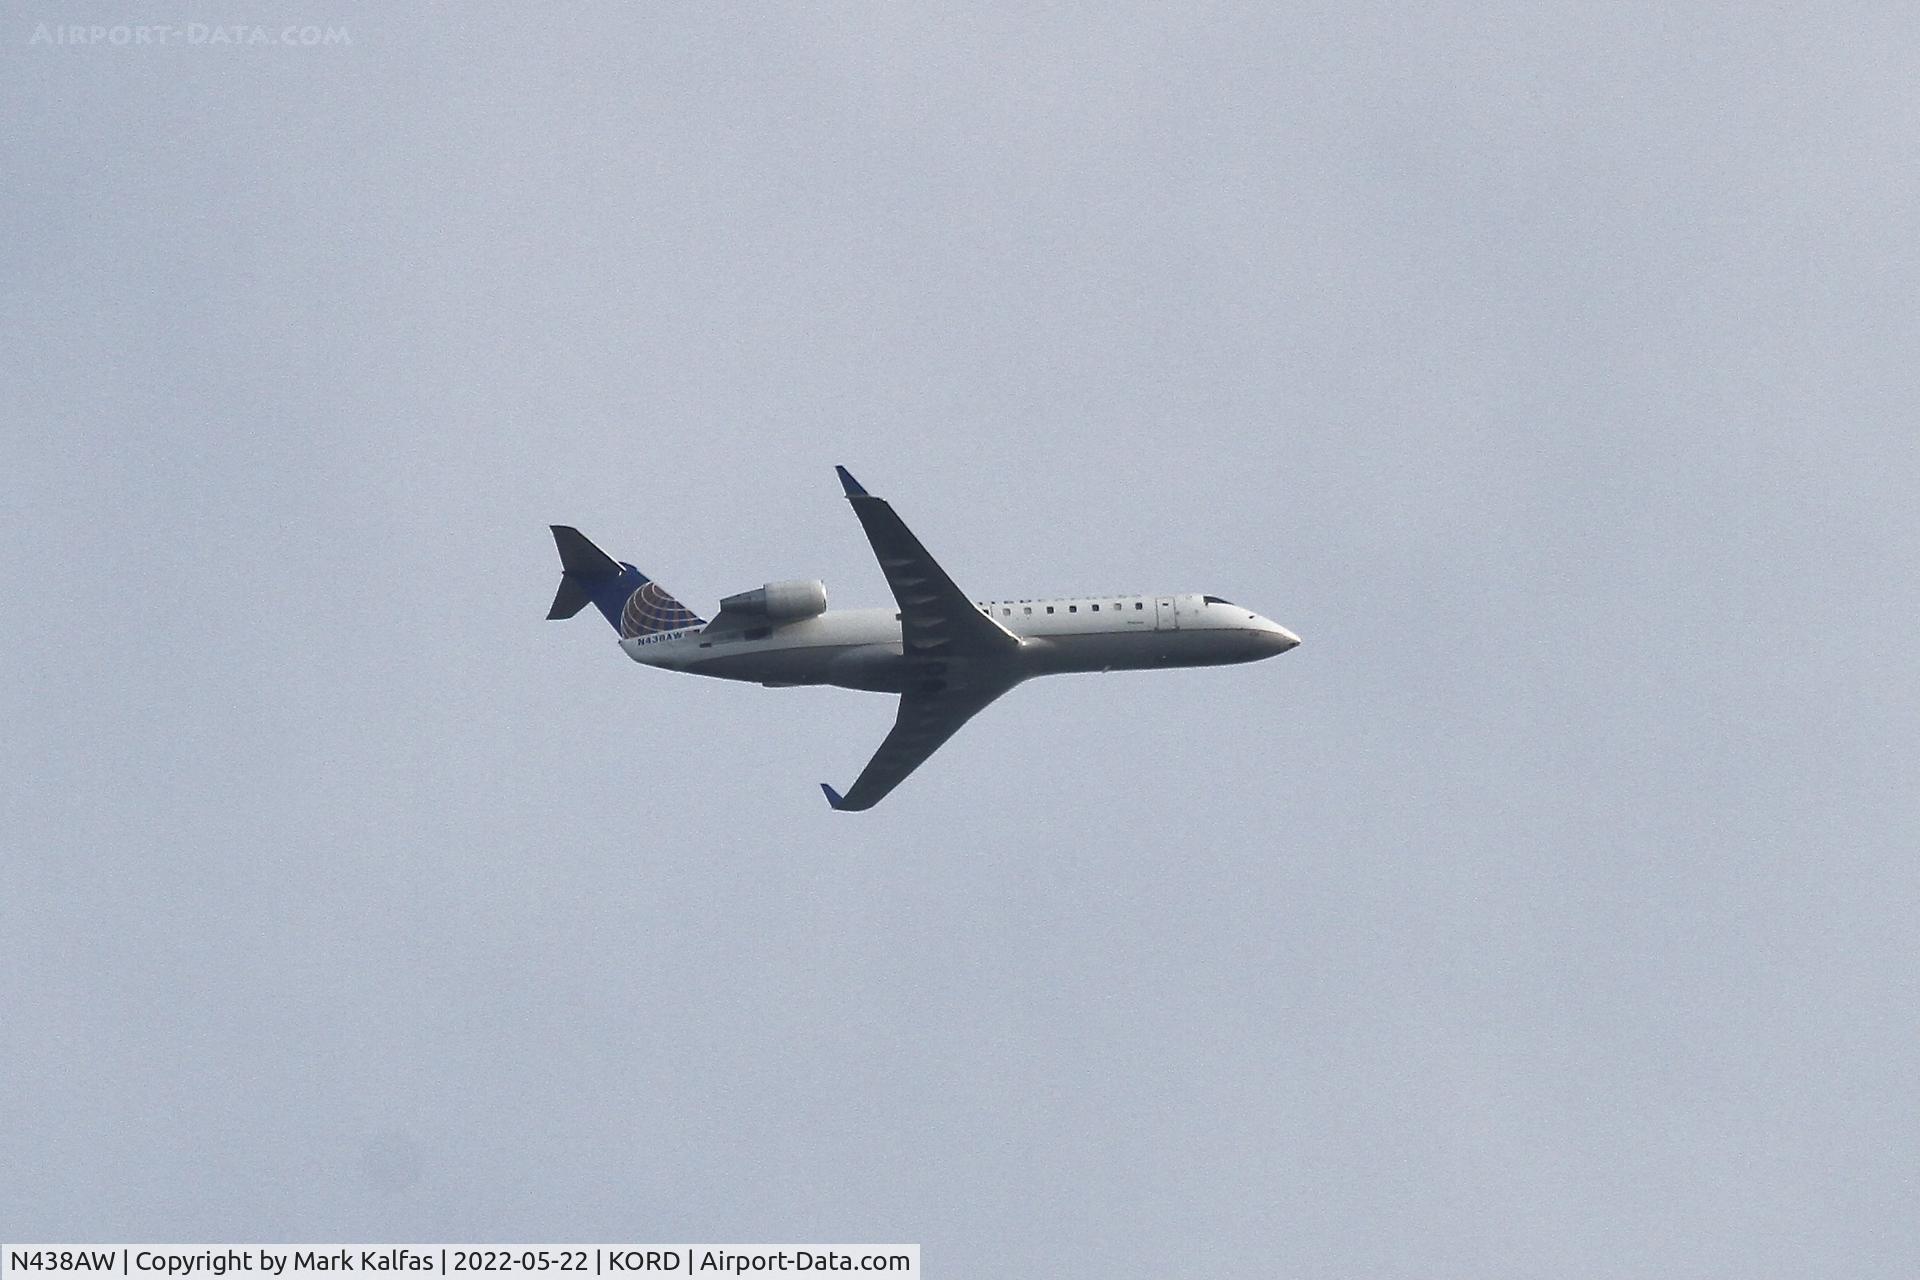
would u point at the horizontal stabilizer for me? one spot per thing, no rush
(570, 599)
(579, 556)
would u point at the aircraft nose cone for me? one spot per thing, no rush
(1265, 638)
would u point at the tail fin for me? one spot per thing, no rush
(634, 603)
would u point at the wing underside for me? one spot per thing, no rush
(936, 618)
(923, 724)
(958, 659)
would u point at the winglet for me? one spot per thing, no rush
(853, 487)
(833, 797)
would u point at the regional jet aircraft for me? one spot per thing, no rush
(945, 654)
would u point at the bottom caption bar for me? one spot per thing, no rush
(470, 1261)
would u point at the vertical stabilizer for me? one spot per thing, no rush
(632, 602)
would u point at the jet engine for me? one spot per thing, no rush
(779, 601)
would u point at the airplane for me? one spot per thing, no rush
(947, 655)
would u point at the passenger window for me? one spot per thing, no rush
(1096, 608)
(1073, 608)
(1029, 609)
(1049, 608)
(1006, 613)
(1138, 605)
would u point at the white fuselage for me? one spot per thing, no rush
(862, 649)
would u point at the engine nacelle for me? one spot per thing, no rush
(780, 601)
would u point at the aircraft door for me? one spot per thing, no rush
(1164, 617)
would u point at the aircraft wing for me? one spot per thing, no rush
(936, 618)
(925, 721)
(955, 653)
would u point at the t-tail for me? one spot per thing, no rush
(635, 604)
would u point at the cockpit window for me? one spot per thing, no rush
(1217, 600)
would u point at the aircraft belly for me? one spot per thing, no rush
(1131, 651)
(871, 667)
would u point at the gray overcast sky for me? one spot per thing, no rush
(1549, 367)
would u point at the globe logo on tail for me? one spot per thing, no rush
(650, 609)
